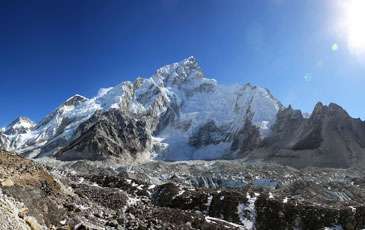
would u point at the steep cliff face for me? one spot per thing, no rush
(110, 135)
(245, 140)
(328, 138)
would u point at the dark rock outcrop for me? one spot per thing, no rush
(272, 212)
(246, 139)
(328, 138)
(208, 134)
(109, 135)
(32, 188)
(219, 204)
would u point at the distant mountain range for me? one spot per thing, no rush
(180, 114)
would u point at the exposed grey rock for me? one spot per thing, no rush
(209, 134)
(246, 139)
(4, 141)
(328, 138)
(109, 135)
(75, 100)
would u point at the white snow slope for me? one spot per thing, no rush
(178, 100)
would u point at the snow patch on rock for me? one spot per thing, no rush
(247, 212)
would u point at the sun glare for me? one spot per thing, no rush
(355, 25)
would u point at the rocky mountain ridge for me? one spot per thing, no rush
(177, 104)
(179, 114)
(330, 137)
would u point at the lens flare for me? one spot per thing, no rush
(355, 25)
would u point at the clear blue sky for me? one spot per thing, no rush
(50, 50)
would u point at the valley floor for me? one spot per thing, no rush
(48, 194)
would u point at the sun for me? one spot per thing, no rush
(355, 25)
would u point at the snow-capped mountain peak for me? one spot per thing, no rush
(75, 100)
(19, 126)
(186, 76)
(178, 103)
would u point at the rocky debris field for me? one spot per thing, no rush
(49, 194)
